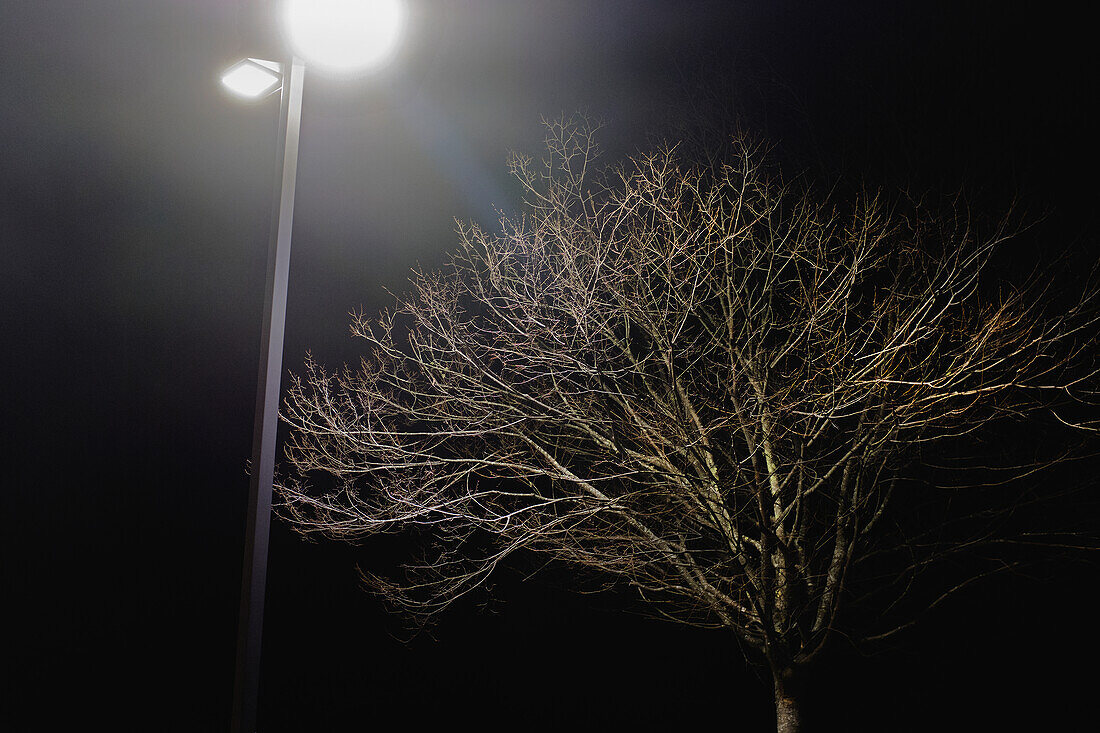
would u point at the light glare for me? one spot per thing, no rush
(249, 79)
(343, 35)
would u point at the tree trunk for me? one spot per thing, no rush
(788, 713)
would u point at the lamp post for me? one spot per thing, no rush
(258, 522)
(337, 36)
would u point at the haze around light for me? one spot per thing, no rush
(343, 35)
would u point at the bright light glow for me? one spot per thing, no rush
(250, 78)
(343, 35)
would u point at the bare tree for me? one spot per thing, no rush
(701, 382)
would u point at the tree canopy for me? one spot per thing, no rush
(700, 380)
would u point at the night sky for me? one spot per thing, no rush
(134, 210)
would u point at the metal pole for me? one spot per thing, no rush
(254, 576)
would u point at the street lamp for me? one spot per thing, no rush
(336, 36)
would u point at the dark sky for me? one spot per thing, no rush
(134, 210)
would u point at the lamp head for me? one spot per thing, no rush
(253, 78)
(342, 36)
